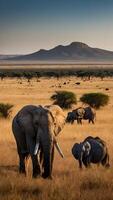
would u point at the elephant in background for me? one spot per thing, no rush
(35, 129)
(91, 150)
(81, 113)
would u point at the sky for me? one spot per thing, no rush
(29, 25)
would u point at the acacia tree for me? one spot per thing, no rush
(95, 100)
(65, 99)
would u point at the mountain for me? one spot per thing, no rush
(76, 51)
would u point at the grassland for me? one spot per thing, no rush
(69, 183)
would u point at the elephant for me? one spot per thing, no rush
(81, 113)
(91, 150)
(35, 129)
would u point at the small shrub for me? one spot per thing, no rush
(64, 99)
(95, 100)
(5, 110)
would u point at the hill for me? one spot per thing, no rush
(76, 51)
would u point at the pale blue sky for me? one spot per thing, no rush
(29, 25)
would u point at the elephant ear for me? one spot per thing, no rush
(58, 118)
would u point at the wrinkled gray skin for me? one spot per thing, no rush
(81, 113)
(91, 150)
(37, 124)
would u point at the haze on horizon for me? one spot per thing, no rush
(29, 25)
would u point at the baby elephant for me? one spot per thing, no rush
(91, 150)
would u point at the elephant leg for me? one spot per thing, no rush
(80, 163)
(47, 164)
(31, 146)
(23, 157)
(36, 167)
(52, 157)
(41, 158)
(26, 164)
(86, 162)
(79, 121)
(20, 138)
(47, 150)
(91, 120)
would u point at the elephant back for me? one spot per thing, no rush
(25, 115)
(97, 151)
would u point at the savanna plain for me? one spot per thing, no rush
(69, 182)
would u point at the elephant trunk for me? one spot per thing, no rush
(80, 160)
(56, 145)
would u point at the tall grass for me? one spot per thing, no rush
(69, 183)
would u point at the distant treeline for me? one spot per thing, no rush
(84, 73)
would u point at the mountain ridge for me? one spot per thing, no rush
(74, 51)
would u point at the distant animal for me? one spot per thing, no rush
(77, 83)
(91, 150)
(35, 129)
(80, 113)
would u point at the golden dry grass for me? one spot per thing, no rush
(69, 183)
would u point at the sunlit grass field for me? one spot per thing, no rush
(69, 183)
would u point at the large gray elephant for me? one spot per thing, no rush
(80, 113)
(35, 129)
(91, 150)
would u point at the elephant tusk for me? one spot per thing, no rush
(36, 148)
(59, 149)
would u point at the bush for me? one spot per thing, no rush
(5, 110)
(95, 100)
(64, 99)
